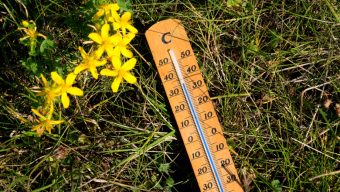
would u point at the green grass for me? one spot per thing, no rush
(269, 67)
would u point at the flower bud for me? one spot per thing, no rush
(25, 23)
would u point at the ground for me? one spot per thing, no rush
(271, 67)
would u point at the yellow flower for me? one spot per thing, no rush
(120, 72)
(121, 47)
(49, 91)
(123, 23)
(45, 122)
(65, 87)
(90, 62)
(106, 42)
(107, 10)
(31, 31)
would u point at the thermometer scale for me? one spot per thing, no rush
(191, 105)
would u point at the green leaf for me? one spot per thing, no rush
(170, 182)
(34, 67)
(30, 65)
(164, 168)
(124, 5)
(25, 42)
(253, 47)
(324, 116)
(276, 185)
(47, 45)
(275, 39)
(33, 45)
(234, 3)
(29, 133)
(154, 178)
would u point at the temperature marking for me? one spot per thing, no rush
(192, 107)
(194, 115)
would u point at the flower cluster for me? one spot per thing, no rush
(112, 42)
(110, 51)
(59, 88)
(31, 34)
(30, 29)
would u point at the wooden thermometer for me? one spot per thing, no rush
(193, 110)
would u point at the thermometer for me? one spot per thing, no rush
(192, 108)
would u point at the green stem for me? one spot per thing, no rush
(337, 18)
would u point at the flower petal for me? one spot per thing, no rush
(98, 14)
(44, 80)
(41, 35)
(132, 29)
(100, 63)
(114, 7)
(108, 72)
(130, 64)
(36, 112)
(115, 16)
(57, 78)
(105, 31)
(50, 113)
(126, 17)
(23, 38)
(114, 39)
(49, 127)
(110, 51)
(79, 68)
(96, 38)
(123, 30)
(82, 52)
(36, 127)
(94, 72)
(130, 78)
(99, 52)
(65, 100)
(115, 84)
(116, 26)
(56, 91)
(127, 53)
(110, 19)
(56, 122)
(128, 38)
(75, 91)
(116, 52)
(116, 62)
(39, 129)
(70, 78)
